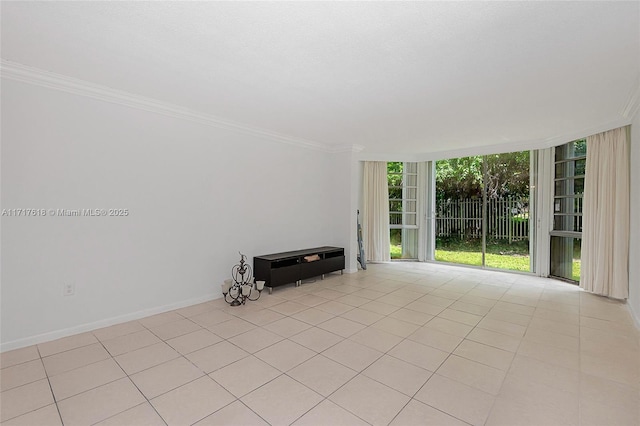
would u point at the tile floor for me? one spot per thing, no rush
(399, 344)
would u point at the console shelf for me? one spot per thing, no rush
(290, 267)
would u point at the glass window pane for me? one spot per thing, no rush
(567, 207)
(395, 206)
(565, 257)
(571, 150)
(580, 147)
(403, 181)
(404, 243)
(567, 223)
(411, 193)
(395, 193)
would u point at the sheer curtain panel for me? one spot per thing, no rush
(375, 221)
(605, 228)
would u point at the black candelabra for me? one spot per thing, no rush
(240, 287)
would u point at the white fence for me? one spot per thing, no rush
(507, 218)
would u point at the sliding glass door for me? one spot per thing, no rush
(483, 213)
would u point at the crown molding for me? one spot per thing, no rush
(568, 137)
(38, 77)
(354, 148)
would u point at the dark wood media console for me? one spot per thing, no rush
(290, 267)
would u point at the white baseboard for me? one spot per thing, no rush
(53, 335)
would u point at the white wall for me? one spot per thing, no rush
(634, 247)
(196, 195)
(344, 191)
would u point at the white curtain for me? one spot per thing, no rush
(605, 226)
(375, 220)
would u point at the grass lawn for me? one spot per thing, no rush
(500, 254)
(511, 262)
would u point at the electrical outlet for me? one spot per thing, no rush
(68, 289)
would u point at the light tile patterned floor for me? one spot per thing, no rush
(400, 343)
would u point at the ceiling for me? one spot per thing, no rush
(394, 77)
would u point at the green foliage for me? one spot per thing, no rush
(460, 178)
(394, 177)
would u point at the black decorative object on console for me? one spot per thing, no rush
(240, 287)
